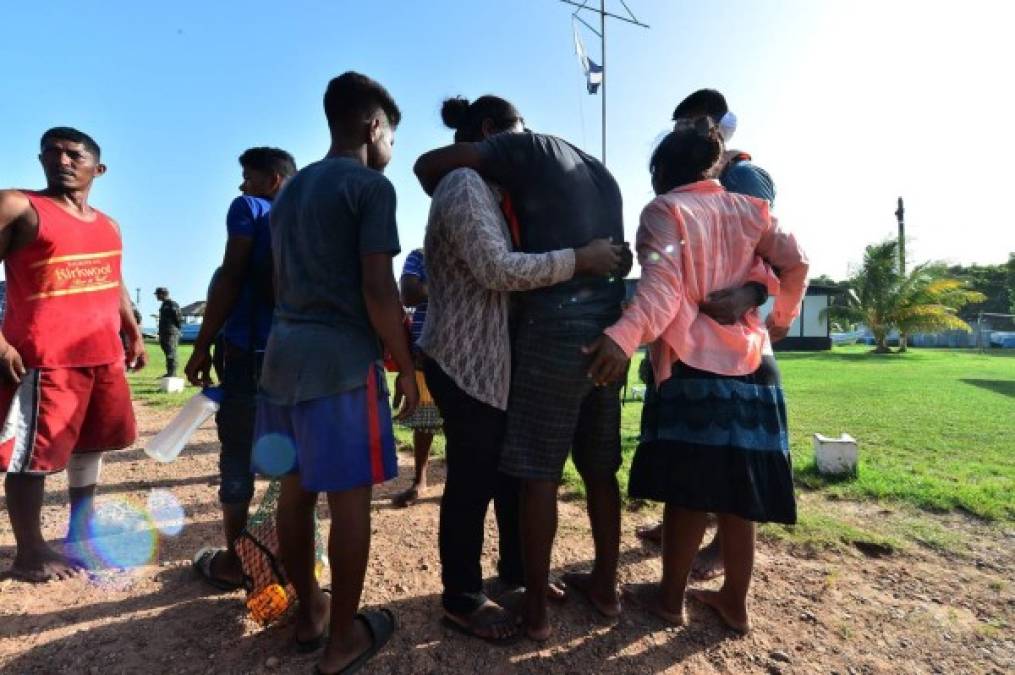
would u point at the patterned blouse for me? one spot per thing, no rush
(472, 269)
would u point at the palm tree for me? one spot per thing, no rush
(924, 300)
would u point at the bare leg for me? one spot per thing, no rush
(226, 566)
(737, 536)
(348, 550)
(604, 516)
(34, 560)
(422, 441)
(295, 520)
(538, 528)
(682, 531)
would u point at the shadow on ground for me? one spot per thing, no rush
(1003, 387)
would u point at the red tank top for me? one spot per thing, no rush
(63, 291)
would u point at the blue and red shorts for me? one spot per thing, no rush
(335, 443)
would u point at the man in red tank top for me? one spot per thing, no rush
(63, 392)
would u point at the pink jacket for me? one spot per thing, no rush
(692, 241)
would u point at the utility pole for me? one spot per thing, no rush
(900, 216)
(602, 93)
(630, 18)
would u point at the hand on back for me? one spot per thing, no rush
(608, 361)
(729, 305)
(602, 258)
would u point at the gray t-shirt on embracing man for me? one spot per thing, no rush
(327, 217)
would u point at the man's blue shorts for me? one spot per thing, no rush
(334, 443)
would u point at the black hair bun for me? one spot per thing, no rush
(454, 111)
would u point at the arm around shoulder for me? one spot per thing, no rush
(476, 227)
(432, 166)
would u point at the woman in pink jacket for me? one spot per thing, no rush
(713, 430)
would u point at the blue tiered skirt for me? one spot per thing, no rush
(718, 444)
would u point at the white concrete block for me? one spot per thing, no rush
(171, 385)
(836, 456)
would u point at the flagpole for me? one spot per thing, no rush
(602, 35)
(603, 14)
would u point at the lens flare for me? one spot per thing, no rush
(165, 511)
(120, 534)
(274, 455)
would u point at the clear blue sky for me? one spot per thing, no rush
(847, 104)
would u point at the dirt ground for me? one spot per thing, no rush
(833, 612)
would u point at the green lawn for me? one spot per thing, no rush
(936, 429)
(145, 384)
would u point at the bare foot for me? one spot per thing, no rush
(336, 657)
(708, 564)
(410, 496)
(650, 533)
(535, 620)
(732, 612)
(648, 597)
(540, 633)
(41, 563)
(556, 592)
(513, 598)
(489, 622)
(606, 603)
(226, 566)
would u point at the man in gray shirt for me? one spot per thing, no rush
(324, 418)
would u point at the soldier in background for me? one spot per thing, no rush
(170, 322)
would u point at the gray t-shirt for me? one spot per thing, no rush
(563, 198)
(328, 215)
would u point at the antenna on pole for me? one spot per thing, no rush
(603, 14)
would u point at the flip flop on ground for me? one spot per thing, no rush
(381, 626)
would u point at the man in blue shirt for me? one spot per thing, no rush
(240, 304)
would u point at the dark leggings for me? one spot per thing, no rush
(235, 420)
(474, 432)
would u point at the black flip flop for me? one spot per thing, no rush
(202, 563)
(381, 625)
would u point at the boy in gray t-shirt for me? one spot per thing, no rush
(323, 419)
